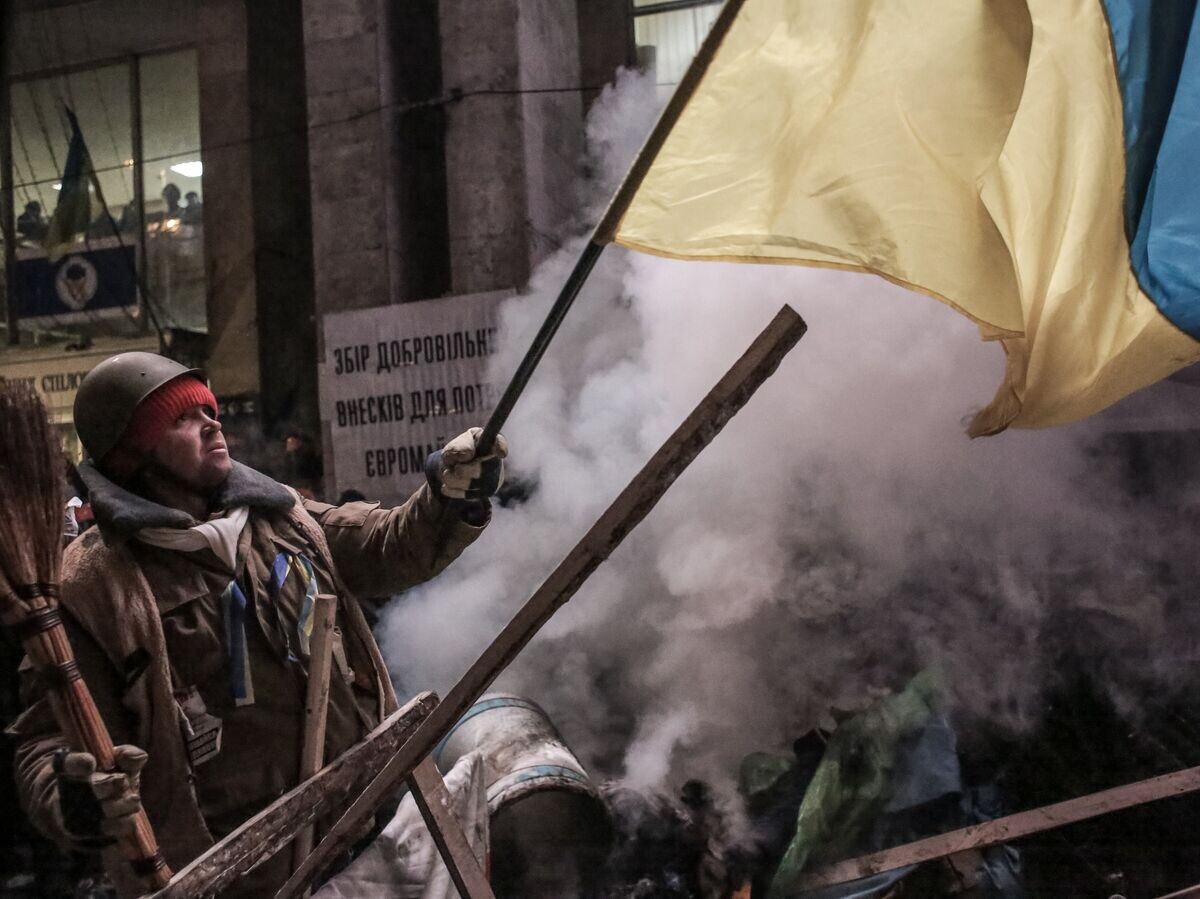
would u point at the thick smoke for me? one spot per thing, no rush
(841, 534)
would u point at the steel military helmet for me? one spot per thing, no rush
(112, 391)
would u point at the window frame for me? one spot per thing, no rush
(132, 62)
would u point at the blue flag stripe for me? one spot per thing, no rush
(1157, 46)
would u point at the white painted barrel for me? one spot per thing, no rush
(549, 827)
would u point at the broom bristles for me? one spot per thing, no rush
(31, 520)
(31, 505)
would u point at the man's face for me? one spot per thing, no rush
(193, 450)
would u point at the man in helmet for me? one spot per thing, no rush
(189, 609)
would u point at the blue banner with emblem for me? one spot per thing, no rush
(97, 281)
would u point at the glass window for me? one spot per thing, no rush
(672, 32)
(172, 181)
(41, 134)
(79, 275)
(89, 287)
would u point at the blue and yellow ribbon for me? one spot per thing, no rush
(282, 567)
(233, 604)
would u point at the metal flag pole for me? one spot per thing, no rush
(606, 229)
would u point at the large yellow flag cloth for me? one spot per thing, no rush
(973, 150)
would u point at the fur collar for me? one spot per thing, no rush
(120, 512)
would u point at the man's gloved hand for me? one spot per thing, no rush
(99, 807)
(455, 472)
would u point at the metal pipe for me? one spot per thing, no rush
(570, 290)
(606, 229)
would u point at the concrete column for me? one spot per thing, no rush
(283, 261)
(605, 43)
(551, 119)
(228, 197)
(346, 154)
(413, 123)
(513, 137)
(253, 120)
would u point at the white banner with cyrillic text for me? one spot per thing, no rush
(398, 382)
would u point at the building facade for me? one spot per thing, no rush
(252, 167)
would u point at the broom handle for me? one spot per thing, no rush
(80, 720)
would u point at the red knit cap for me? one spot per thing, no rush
(150, 421)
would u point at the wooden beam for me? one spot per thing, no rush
(1003, 830)
(433, 799)
(272, 828)
(1189, 893)
(316, 706)
(699, 429)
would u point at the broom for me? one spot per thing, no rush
(31, 524)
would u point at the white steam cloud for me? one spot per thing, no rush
(838, 536)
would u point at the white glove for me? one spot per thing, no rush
(97, 807)
(455, 472)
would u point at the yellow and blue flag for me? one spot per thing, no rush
(1035, 164)
(73, 213)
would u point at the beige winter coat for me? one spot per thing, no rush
(116, 621)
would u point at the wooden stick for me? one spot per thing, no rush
(1002, 830)
(275, 826)
(316, 706)
(1189, 893)
(635, 501)
(433, 799)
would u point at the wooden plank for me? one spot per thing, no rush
(1189, 893)
(433, 799)
(316, 706)
(1003, 830)
(275, 826)
(716, 409)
